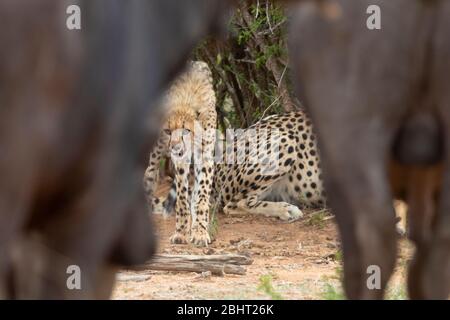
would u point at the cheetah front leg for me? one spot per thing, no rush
(182, 206)
(204, 174)
(200, 204)
(251, 205)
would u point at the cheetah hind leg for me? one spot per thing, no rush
(163, 205)
(158, 205)
(282, 210)
(166, 205)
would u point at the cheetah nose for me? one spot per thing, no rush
(177, 149)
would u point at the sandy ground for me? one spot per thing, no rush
(303, 260)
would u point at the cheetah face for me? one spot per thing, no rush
(180, 144)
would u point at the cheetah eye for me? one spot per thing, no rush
(186, 131)
(167, 131)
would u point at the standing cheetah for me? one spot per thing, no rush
(190, 104)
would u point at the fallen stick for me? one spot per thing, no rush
(213, 258)
(216, 264)
(131, 277)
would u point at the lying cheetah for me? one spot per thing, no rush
(276, 178)
(190, 104)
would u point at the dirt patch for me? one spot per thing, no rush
(301, 260)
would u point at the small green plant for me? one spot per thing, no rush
(213, 224)
(265, 285)
(331, 293)
(317, 219)
(397, 293)
(338, 256)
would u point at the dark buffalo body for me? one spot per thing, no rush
(380, 102)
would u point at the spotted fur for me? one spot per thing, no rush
(296, 182)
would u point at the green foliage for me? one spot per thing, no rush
(213, 224)
(330, 292)
(332, 288)
(265, 285)
(250, 70)
(339, 256)
(317, 219)
(397, 293)
(243, 36)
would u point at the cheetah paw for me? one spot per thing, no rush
(200, 238)
(290, 213)
(178, 238)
